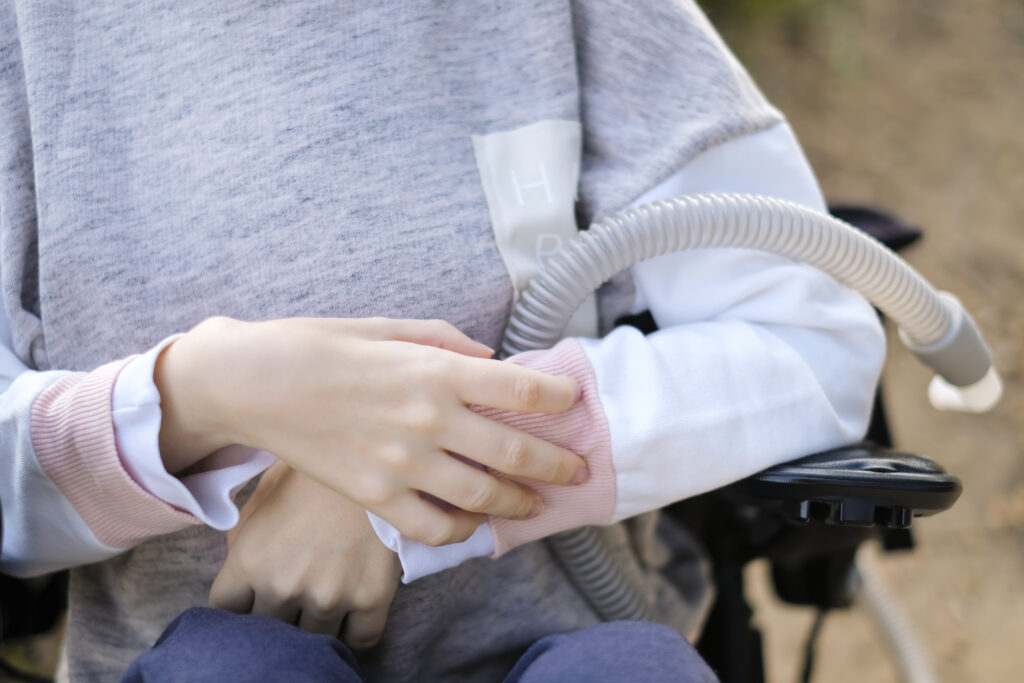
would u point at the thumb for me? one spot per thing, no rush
(231, 592)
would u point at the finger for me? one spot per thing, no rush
(230, 592)
(422, 521)
(512, 387)
(314, 621)
(441, 334)
(474, 490)
(510, 451)
(363, 629)
(437, 333)
(269, 604)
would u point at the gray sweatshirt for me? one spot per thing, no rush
(167, 161)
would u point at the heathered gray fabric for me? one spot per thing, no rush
(166, 161)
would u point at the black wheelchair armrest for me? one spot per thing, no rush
(859, 485)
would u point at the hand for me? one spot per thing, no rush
(372, 408)
(308, 556)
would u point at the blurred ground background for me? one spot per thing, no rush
(917, 106)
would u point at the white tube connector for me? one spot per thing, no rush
(979, 397)
(966, 380)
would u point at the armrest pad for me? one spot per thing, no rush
(859, 485)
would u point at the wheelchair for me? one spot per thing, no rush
(807, 517)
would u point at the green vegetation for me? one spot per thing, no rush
(751, 10)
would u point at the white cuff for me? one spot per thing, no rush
(419, 560)
(136, 416)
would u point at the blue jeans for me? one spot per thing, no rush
(212, 645)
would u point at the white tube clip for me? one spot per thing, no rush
(979, 397)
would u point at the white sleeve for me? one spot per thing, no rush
(42, 530)
(31, 505)
(758, 360)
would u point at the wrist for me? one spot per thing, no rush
(194, 420)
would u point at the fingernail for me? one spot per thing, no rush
(580, 476)
(535, 509)
(579, 393)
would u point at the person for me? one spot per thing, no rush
(343, 177)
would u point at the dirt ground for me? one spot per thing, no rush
(918, 107)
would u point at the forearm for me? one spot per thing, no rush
(705, 404)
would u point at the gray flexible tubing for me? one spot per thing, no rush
(543, 310)
(716, 221)
(893, 622)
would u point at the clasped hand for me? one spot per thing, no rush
(371, 408)
(306, 555)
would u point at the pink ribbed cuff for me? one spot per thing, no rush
(583, 430)
(73, 436)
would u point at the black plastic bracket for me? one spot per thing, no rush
(861, 485)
